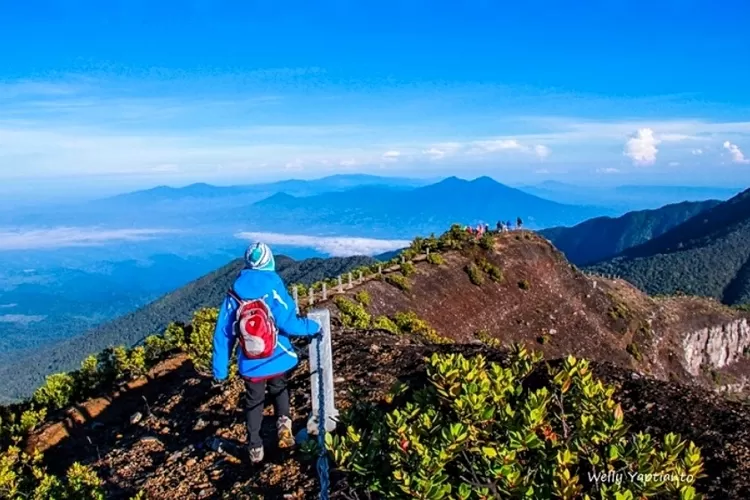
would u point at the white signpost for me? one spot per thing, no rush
(323, 317)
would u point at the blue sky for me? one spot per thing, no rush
(119, 95)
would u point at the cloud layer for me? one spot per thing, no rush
(737, 155)
(72, 237)
(335, 246)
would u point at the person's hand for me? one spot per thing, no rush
(316, 336)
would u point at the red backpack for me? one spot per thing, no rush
(255, 327)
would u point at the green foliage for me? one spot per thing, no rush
(475, 275)
(88, 377)
(409, 322)
(478, 431)
(201, 346)
(22, 476)
(31, 419)
(490, 269)
(487, 241)
(156, 348)
(398, 281)
(456, 238)
(385, 323)
(618, 311)
(408, 268)
(175, 336)
(485, 337)
(56, 392)
(524, 285)
(435, 259)
(353, 314)
(633, 350)
(362, 297)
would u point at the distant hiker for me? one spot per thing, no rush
(266, 319)
(499, 226)
(509, 225)
(486, 228)
(519, 223)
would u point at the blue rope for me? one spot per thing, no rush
(322, 457)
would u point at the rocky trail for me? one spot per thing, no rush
(179, 437)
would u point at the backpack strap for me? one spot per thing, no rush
(234, 295)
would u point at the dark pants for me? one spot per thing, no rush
(255, 399)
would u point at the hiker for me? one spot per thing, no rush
(499, 227)
(265, 354)
(519, 223)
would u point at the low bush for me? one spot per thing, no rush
(477, 430)
(398, 281)
(485, 337)
(490, 269)
(408, 268)
(487, 241)
(385, 323)
(475, 274)
(633, 350)
(524, 285)
(362, 297)
(201, 344)
(353, 314)
(57, 391)
(409, 322)
(435, 259)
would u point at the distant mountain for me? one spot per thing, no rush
(19, 376)
(398, 213)
(627, 198)
(604, 237)
(707, 255)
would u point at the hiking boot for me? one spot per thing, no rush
(284, 430)
(256, 454)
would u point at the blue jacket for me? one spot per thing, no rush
(253, 284)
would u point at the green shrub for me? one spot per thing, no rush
(176, 336)
(353, 314)
(633, 350)
(409, 322)
(23, 476)
(475, 275)
(31, 419)
(435, 259)
(398, 281)
(385, 323)
(156, 348)
(490, 269)
(456, 238)
(524, 285)
(362, 297)
(57, 391)
(485, 337)
(408, 268)
(487, 241)
(201, 346)
(478, 431)
(88, 377)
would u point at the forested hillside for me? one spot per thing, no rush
(19, 378)
(708, 255)
(604, 237)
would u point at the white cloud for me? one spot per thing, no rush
(347, 163)
(541, 151)
(697, 152)
(434, 153)
(392, 154)
(675, 137)
(641, 147)
(500, 145)
(72, 237)
(336, 246)
(737, 155)
(541, 171)
(21, 319)
(674, 163)
(7, 306)
(608, 170)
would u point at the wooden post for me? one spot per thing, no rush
(325, 291)
(360, 277)
(427, 251)
(341, 285)
(311, 301)
(380, 268)
(295, 296)
(402, 259)
(350, 279)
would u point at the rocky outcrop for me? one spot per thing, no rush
(716, 346)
